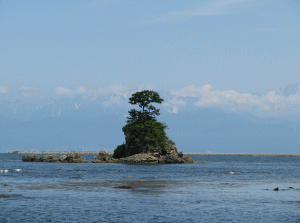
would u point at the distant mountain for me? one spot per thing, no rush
(291, 89)
(68, 133)
(195, 131)
(89, 123)
(207, 130)
(79, 106)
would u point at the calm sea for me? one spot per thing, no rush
(222, 189)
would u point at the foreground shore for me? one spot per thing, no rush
(192, 154)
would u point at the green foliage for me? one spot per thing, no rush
(142, 136)
(143, 132)
(143, 99)
(120, 151)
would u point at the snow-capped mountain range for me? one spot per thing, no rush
(87, 122)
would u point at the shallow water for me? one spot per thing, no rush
(222, 189)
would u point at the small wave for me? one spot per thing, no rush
(232, 172)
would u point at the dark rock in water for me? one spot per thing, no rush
(4, 196)
(141, 158)
(8, 191)
(169, 157)
(75, 177)
(5, 185)
(73, 158)
(62, 158)
(145, 158)
(152, 156)
(276, 188)
(30, 158)
(124, 187)
(50, 158)
(25, 172)
(103, 157)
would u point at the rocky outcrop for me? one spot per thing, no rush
(104, 157)
(145, 158)
(50, 158)
(30, 158)
(172, 156)
(140, 158)
(62, 158)
(73, 158)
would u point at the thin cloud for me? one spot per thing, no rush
(96, 3)
(3, 90)
(81, 90)
(220, 7)
(212, 8)
(64, 91)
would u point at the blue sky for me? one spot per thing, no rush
(237, 54)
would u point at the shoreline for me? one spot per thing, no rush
(192, 154)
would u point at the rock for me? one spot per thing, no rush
(5, 185)
(145, 158)
(50, 158)
(103, 157)
(187, 159)
(141, 158)
(291, 187)
(75, 177)
(276, 189)
(180, 155)
(8, 191)
(4, 196)
(25, 172)
(62, 158)
(124, 187)
(30, 158)
(73, 158)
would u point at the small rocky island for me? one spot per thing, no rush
(146, 140)
(104, 157)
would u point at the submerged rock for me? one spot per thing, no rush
(4, 196)
(124, 187)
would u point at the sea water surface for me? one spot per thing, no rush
(217, 189)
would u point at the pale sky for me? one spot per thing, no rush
(234, 53)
